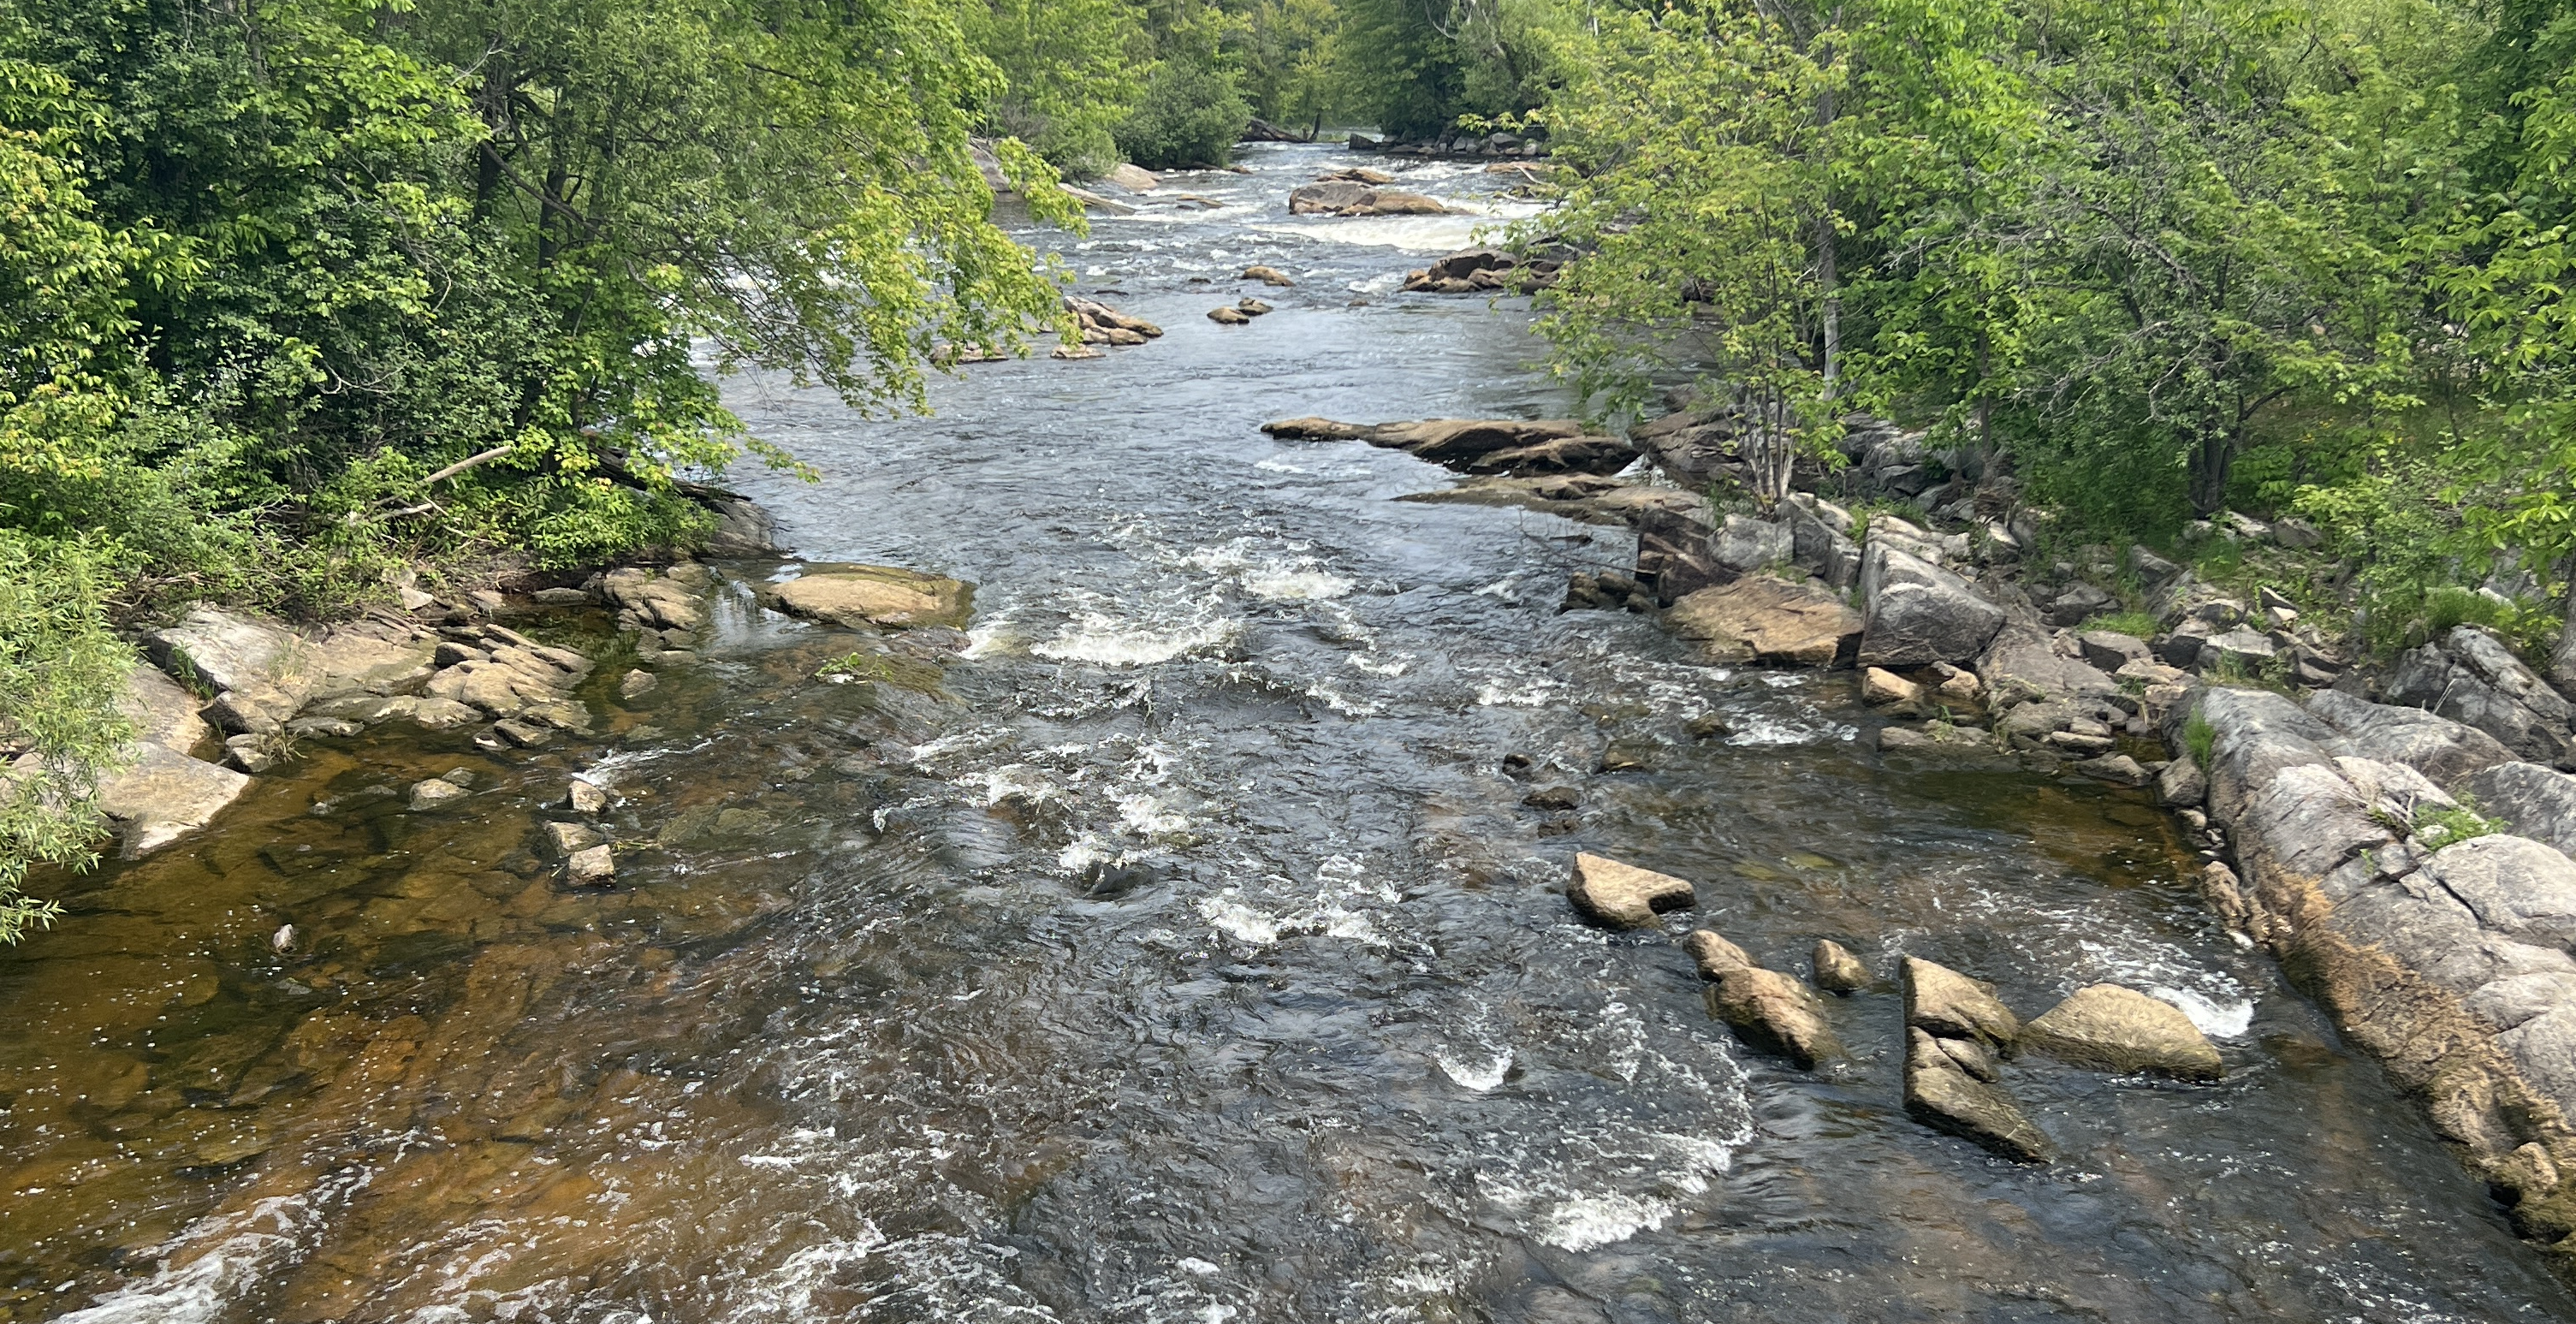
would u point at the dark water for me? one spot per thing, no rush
(1190, 957)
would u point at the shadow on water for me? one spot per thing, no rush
(1186, 955)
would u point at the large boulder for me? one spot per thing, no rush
(1624, 896)
(2514, 885)
(1327, 197)
(668, 601)
(1518, 447)
(163, 795)
(1766, 619)
(160, 712)
(2022, 665)
(1940, 1091)
(2470, 677)
(860, 596)
(2123, 1030)
(1915, 613)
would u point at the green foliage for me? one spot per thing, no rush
(2438, 827)
(1413, 67)
(1189, 118)
(2135, 624)
(2199, 740)
(61, 671)
(1069, 74)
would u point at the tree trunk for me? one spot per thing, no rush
(2211, 457)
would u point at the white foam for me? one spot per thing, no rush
(1109, 641)
(1277, 466)
(1482, 1077)
(1292, 584)
(1589, 1221)
(2223, 1020)
(1239, 921)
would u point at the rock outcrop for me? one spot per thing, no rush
(1948, 1005)
(1350, 197)
(1518, 448)
(2120, 1029)
(1623, 896)
(1473, 270)
(2449, 960)
(2470, 677)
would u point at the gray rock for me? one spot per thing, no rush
(1624, 896)
(1950, 1005)
(2244, 649)
(2118, 769)
(2538, 802)
(636, 684)
(598, 864)
(2291, 531)
(2470, 677)
(2078, 604)
(2443, 750)
(2109, 650)
(435, 792)
(2153, 571)
(1744, 544)
(567, 840)
(160, 712)
(2514, 885)
(2181, 784)
(1942, 1094)
(2020, 664)
(1916, 613)
(2123, 1030)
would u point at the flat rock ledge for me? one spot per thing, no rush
(1623, 896)
(2122, 1030)
(2450, 960)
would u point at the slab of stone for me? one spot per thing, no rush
(1948, 1004)
(1941, 1093)
(2516, 886)
(1624, 896)
(567, 840)
(161, 712)
(1837, 970)
(2538, 802)
(1765, 619)
(2122, 1030)
(163, 795)
(1915, 613)
(2441, 749)
(1774, 1013)
(858, 596)
(434, 792)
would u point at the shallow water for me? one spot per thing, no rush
(1190, 957)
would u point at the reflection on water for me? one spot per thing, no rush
(1190, 958)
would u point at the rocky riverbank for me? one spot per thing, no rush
(2397, 836)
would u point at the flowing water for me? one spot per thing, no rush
(1187, 955)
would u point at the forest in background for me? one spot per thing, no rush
(297, 295)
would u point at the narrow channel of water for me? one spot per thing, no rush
(1191, 957)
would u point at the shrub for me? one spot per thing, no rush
(2199, 739)
(2136, 624)
(1190, 117)
(61, 670)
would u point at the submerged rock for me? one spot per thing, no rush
(163, 795)
(435, 792)
(2121, 1029)
(1951, 1005)
(1624, 896)
(1942, 1093)
(855, 596)
(1837, 970)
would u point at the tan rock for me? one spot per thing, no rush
(852, 596)
(435, 792)
(1776, 1014)
(596, 865)
(161, 712)
(1880, 687)
(1624, 896)
(586, 797)
(1940, 1093)
(1714, 954)
(567, 840)
(1953, 1006)
(1229, 316)
(1837, 970)
(636, 684)
(1267, 276)
(163, 795)
(2120, 1029)
(1763, 618)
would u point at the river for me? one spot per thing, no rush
(1189, 955)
